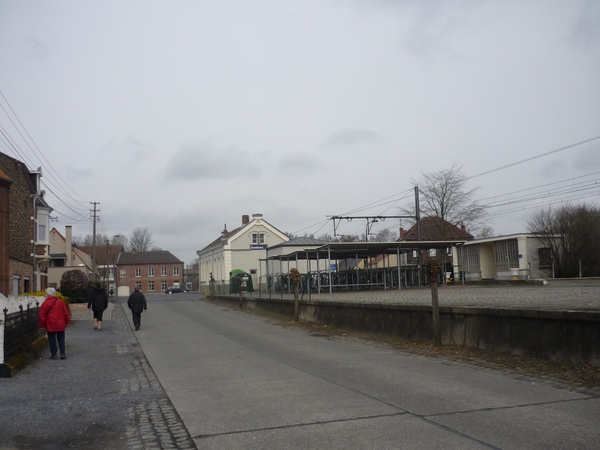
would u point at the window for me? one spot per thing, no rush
(123, 273)
(252, 271)
(57, 262)
(138, 273)
(469, 258)
(138, 284)
(507, 254)
(151, 286)
(41, 237)
(432, 253)
(151, 272)
(254, 238)
(163, 285)
(163, 271)
(176, 271)
(111, 272)
(544, 258)
(261, 238)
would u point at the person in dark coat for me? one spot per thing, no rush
(137, 304)
(54, 317)
(98, 302)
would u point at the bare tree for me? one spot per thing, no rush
(328, 238)
(141, 240)
(120, 239)
(385, 235)
(570, 236)
(444, 194)
(88, 239)
(486, 232)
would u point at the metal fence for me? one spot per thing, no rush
(323, 282)
(21, 330)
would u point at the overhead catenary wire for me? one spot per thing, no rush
(544, 204)
(567, 147)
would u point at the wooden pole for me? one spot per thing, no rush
(435, 308)
(434, 267)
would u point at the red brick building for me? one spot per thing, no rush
(152, 271)
(28, 227)
(4, 233)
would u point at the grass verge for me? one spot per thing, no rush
(579, 376)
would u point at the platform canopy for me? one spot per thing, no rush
(360, 250)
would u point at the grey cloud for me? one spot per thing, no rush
(76, 174)
(588, 159)
(300, 165)
(351, 137)
(34, 49)
(199, 161)
(136, 149)
(587, 28)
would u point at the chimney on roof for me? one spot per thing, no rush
(402, 233)
(462, 227)
(245, 219)
(224, 229)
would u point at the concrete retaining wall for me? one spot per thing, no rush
(561, 336)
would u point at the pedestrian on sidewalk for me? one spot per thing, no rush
(137, 304)
(54, 317)
(98, 302)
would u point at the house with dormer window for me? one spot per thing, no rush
(241, 248)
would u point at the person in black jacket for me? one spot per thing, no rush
(137, 304)
(98, 302)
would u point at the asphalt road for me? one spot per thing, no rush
(240, 382)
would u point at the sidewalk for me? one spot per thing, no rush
(104, 395)
(79, 311)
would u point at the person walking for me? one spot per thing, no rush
(54, 317)
(137, 304)
(98, 302)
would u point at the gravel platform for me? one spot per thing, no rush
(104, 395)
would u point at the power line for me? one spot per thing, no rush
(36, 147)
(540, 186)
(540, 205)
(534, 157)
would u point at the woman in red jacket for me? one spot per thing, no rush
(54, 317)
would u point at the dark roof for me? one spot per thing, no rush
(102, 255)
(431, 230)
(301, 242)
(14, 168)
(4, 176)
(154, 257)
(224, 235)
(359, 250)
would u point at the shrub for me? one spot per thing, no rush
(74, 284)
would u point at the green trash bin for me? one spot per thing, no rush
(240, 281)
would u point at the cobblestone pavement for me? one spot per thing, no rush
(554, 296)
(104, 395)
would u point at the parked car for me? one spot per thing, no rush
(174, 289)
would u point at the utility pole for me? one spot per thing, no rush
(418, 213)
(95, 219)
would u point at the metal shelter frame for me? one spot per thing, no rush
(337, 251)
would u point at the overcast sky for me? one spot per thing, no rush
(181, 116)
